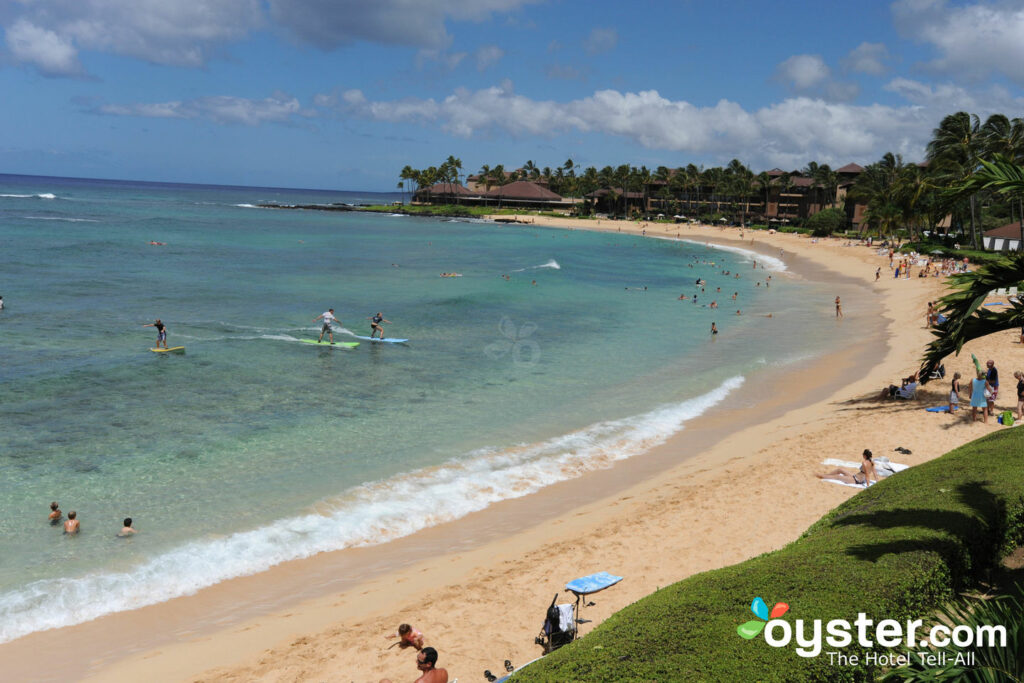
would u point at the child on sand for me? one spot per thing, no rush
(408, 637)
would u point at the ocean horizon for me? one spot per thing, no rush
(554, 354)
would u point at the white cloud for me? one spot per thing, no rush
(417, 23)
(487, 56)
(809, 75)
(50, 33)
(867, 58)
(601, 40)
(803, 72)
(972, 41)
(446, 60)
(785, 134)
(179, 33)
(224, 109)
(44, 49)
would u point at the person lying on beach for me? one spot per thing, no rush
(71, 526)
(127, 529)
(408, 637)
(865, 474)
(426, 662)
(55, 514)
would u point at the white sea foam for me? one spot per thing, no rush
(550, 264)
(247, 206)
(61, 218)
(369, 514)
(770, 262)
(43, 195)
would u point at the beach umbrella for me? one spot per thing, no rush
(722, 220)
(937, 251)
(773, 220)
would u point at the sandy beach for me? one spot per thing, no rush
(477, 588)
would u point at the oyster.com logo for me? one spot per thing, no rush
(752, 628)
(516, 343)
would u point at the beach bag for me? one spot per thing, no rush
(1007, 418)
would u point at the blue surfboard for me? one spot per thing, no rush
(386, 340)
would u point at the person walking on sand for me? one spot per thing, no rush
(839, 308)
(376, 324)
(55, 514)
(328, 318)
(1019, 376)
(979, 397)
(71, 526)
(161, 332)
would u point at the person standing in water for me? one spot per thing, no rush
(376, 324)
(328, 318)
(161, 332)
(839, 308)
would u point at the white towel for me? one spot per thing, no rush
(566, 617)
(881, 462)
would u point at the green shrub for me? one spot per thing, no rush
(895, 551)
(826, 222)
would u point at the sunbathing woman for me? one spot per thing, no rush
(860, 478)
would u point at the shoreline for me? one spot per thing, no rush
(648, 498)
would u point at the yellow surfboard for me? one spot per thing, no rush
(173, 349)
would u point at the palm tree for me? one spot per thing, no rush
(955, 149)
(1004, 663)
(1005, 137)
(765, 182)
(966, 316)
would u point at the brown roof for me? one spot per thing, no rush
(800, 181)
(775, 173)
(850, 168)
(447, 188)
(523, 189)
(1011, 230)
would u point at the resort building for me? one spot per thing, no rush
(1004, 238)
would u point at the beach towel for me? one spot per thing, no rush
(592, 583)
(566, 614)
(940, 409)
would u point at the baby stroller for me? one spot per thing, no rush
(559, 626)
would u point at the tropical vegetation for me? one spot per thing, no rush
(904, 200)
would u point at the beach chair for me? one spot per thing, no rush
(908, 392)
(938, 373)
(559, 626)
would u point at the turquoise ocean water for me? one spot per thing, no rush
(253, 449)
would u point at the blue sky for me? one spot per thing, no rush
(341, 94)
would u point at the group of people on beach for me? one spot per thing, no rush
(985, 391)
(426, 657)
(72, 525)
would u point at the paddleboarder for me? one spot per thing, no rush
(376, 324)
(161, 332)
(328, 318)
